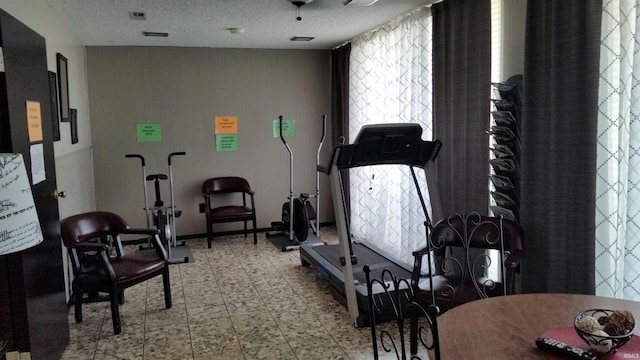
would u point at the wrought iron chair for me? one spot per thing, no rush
(459, 263)
(100, 264)
(215, 214)
(398, 294)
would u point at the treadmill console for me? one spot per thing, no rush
(378, 144)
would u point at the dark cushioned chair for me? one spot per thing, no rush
(227, 211)
(100, 265)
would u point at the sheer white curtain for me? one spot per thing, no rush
(618, 162)
(390, 81)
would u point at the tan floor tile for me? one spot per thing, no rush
(270, 349)
(206, 312)
(235, 301)
(169, 342)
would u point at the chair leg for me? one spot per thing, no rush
(115, 312)
(77, 305)
(255, 235)
(245, 229)
(209, 234)
(413, 332)
(167, 287)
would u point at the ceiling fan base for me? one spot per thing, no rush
(300, 3)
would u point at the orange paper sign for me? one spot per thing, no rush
(226, 124)
(34, 121)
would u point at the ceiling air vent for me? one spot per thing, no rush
(302, 38)
(155, 34)
(137, 15)
(360, 2)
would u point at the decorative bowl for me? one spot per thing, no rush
(594, 333)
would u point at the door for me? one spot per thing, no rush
(33, 312)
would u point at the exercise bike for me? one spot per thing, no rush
(163, 217)
(298, 214)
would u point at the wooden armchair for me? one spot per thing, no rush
(100, 265)
(225, 212)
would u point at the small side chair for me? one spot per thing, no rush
(229, 210)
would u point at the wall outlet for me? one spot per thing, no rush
(201, 207)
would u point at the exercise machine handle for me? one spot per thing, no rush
(291, 235)
(175, 154)
(144, 187)
(324, 126)
(136, 156)
(280, 130)
(320, 168)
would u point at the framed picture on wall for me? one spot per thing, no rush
(63, 87)
(53, 99)
(74, 125)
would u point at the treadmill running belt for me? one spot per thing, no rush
(366, 256)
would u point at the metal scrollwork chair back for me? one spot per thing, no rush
(459, 261)
(458, 255)
(391, 337)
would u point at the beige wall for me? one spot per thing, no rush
(183, 89)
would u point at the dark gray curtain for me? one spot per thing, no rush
(340, 92)
(340, 104)
(558, 132)
(462, 80)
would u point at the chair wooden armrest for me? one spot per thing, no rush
(421, 252)
(141, 231)
(417, 266)
(86, 246)
(513, 260)
(154, 234)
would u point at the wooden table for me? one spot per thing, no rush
(506, 327)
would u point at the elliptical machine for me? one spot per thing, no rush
(163, 217)
(295, 223)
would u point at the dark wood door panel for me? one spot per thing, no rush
(33, 312)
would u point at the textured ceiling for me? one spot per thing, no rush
(267, 24)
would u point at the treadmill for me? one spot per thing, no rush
(380, 144)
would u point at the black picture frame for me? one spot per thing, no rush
(63, 87)
(53, 99)
(73, 118)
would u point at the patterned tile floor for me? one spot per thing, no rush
(235, 301)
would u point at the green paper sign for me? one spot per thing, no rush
(148, 132)
(227, 142)
(288, 128)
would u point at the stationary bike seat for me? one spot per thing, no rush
(157, 176)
